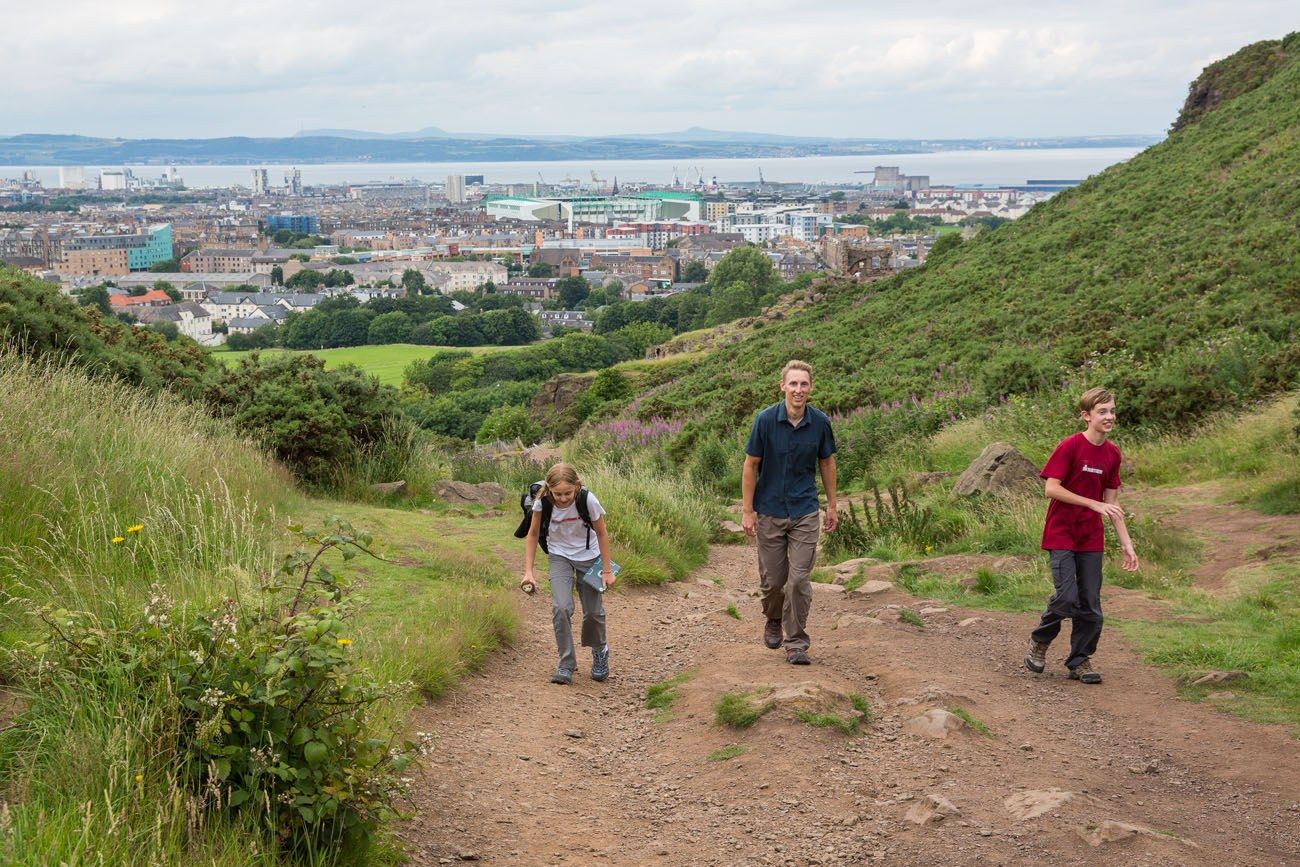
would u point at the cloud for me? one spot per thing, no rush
(835, 67)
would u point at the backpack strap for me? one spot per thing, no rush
(547, 508)
(584, 511)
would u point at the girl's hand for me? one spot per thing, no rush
(608, 578)
(529, 584)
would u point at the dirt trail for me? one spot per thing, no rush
(529, 773)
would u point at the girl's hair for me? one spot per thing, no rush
(560, 474)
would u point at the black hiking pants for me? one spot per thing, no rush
(1077, 578)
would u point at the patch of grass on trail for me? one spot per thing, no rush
(740, 710)
(387, 361)
(730, 751)
(971, 721)
(1257, 632)
(733, 611)
(909, 616)
(661, 696)
(440, 605)
(829, 721)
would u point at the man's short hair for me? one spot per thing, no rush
(796, 365)
(1094, 396)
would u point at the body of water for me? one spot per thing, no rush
(946, 167)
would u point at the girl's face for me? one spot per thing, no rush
(562, 494)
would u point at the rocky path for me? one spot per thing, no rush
(529, 773)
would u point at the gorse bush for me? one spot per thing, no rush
(269, 710)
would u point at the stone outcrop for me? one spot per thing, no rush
(464, 494)
(931, 810)
(558, 394)
(1034, 803)
(935, 723)
(389, 489)
(999, 469)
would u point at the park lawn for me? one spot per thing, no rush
(386, 361)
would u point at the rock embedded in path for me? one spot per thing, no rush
(849, 619)
(1216, 677)
(827, 588)
(931, 810)
(1034, 803)
(870, 588)
(999, 469)
(1111, 831)
(935, 723)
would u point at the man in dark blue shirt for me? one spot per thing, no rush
(788, 443)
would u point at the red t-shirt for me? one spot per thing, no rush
(1086, 470)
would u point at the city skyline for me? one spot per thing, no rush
(579, 68)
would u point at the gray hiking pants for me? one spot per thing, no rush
(787, 548)
(564, 573)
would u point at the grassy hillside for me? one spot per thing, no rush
(387, 362)
(1174, 277)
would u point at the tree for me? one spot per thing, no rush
(640, 336)
(747, 265)
(732, 302)
(392, 327)
(277, 276)
(306, 279)
(94, 296)
(169, 330)
(540, 269)
(166, 266)
(510, 327)
(572, 291)
(694, 271)
(413, 282)
(351, 328)
(508, 423)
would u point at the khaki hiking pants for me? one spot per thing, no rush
(787, 548)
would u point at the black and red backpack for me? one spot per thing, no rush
(526, 500)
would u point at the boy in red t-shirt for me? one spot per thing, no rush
(1083, 483)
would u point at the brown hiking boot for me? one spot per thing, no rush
(795, 656)
(1084, 673)
(772, 634)
(1036, 659)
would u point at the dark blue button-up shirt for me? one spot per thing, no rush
(787, 476)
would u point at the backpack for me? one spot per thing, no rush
(526, 500)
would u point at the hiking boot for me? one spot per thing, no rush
(600, 663)
(1036, 660)
(797, 657)
(563, 676)
(1084, 673)
(772, 634)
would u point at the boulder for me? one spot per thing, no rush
(931, 810)
(1034, 803)
(935, 723)
(732, 532)
(463, 493)
(389, 489)
(1000, 469)
(871, 588)
(558, 394)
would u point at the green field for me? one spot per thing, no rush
(386, 361)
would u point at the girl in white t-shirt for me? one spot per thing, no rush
(572, 548)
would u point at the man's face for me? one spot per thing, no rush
(796, 386)
(1101, 418)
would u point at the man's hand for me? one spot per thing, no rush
(832, 520)
(608, 577)
(1109, 510)
(749, 523)
(1130, 559)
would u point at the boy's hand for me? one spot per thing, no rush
(1130, 559)
(1114, 511)
(608, 578)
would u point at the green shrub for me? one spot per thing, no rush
(264, 708)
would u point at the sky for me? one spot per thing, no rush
(939, 69)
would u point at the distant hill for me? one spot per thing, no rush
(1174, 277)
(432, 144)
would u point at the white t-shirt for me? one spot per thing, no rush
(567, 535)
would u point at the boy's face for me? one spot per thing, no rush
(796, 387)
(1101, 418)
(562, 494)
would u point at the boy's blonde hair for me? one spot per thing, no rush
(560, 474)
(1094, 396)
(795, 364)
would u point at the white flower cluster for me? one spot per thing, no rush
(155, 610)
(212, 697)
(424, 743)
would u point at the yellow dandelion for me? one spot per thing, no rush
(118, 540)
(135, 528)
(344, 642)
(139, 778)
